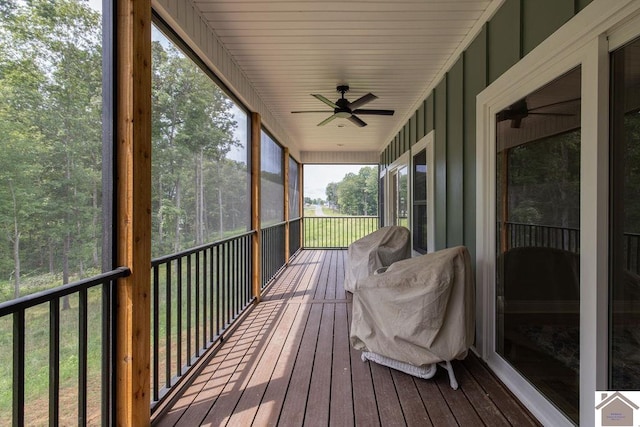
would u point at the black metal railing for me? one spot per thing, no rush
(336, 232)
(196, 295)
(521, 235)
(80, 321)
(295, 230)
(273, 258)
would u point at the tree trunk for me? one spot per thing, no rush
(65, 269)
(178, 235)
(220, 210)
(94, 225)
(16, 245)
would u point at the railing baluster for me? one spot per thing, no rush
(197, 304)
(212, 330)
(204, 298)
(179, 317)
(156, 331)
(82, 356)
(167, 323)
(18, 368)
(189, 309)
(54, 361)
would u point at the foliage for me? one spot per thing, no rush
(50, 130)
(544, 181)
(199, 192)
(356, 194)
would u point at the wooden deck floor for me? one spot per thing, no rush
(289, 363)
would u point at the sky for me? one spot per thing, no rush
(317, 177)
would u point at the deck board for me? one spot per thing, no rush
(290, 363)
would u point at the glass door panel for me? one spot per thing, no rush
(624, 286)
(537, 259)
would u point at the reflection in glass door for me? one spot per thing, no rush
(624, 285)
(400, 196)
(537, 260)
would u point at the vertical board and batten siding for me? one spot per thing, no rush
(420, 122)
(455, 155)
(183, 17)
(513, 31)
(474, 82)
(540, 18)
(440, 160)
(503, 39)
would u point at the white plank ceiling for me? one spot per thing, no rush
(290, 49)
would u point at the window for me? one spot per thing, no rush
(420, 202)
(200, 176)
(538, 259)
(294, 189)
(272, 181)
(624, 285)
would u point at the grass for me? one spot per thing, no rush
(332, 232)
(37, 362)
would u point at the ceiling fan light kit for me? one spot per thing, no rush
(344, 109)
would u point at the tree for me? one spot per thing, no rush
(356, 194)
(199, 194)
(50, 83)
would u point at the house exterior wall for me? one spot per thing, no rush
(516, 28)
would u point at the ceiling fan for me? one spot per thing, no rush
(344, 109)
(519, 110)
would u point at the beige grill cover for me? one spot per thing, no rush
(381, 248)
(420, 311)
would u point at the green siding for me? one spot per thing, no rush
(429, 112)
(455, 156)
(420, 128)
(475, 80)
(412, 130)
(440, 160)
(581, 4)
(540, 18)
(504, 39)
(405, 140)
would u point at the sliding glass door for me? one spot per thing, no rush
(624, 284)
(537, 241)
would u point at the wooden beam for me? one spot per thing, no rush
(133, 127)
(301, 201)
(285, 163)
(256, 242)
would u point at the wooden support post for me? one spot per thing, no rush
(256, 242)
(285, 163)
(301, 201)
(133, 127)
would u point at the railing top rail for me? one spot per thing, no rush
(340, 217)
(28, 301)
(277, 224)
(167, 258)
(542, 226)
(295, 219)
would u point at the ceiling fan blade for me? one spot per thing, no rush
(325, 100)
(374, 112)
(362, 100)
(355, 120)
(327, 120)
(318, 111)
